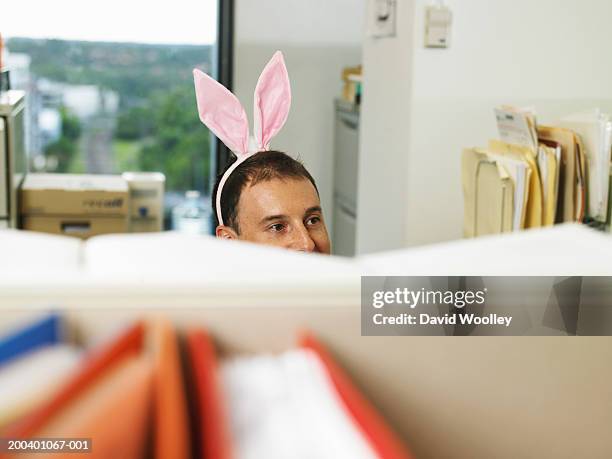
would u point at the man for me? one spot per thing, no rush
(272, 199)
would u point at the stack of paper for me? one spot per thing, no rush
(517, 126)
(549, 160)
(300, 404)
(501, 183)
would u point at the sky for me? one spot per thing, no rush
(153, 21)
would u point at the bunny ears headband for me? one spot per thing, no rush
(221, 111)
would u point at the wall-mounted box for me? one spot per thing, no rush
(438, 21)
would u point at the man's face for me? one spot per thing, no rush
(284, 213)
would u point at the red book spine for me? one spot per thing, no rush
(381, 437)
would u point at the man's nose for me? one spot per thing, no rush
(301, 240)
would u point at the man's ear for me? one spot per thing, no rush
(226, 232)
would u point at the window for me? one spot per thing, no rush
(110, 86)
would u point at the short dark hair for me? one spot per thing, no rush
(261, 167)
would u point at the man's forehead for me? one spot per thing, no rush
(277, 197)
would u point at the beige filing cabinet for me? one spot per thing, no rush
(13, 157)
(346, 155)
(4, 195)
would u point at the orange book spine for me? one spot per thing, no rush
(171, 428)
(212, 416)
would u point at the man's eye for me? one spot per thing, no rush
(276, 227)
(313, 220)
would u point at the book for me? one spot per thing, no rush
(41, 332)
(171, 433)
(112, 413)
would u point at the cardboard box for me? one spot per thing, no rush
(75, 205)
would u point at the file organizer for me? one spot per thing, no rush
(566, 168)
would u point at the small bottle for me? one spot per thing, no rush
(191, 216)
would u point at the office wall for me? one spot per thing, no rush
(384, 135)
(524, 52)
(318, 39)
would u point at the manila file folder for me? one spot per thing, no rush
(488, 195)
(571, 194)
(534, 212)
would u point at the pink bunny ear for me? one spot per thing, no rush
(221, 112)
(272, 101)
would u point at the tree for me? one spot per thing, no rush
(135, 124)
(71, 126)
(179, 146)
(65, 148)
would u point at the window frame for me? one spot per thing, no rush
(224, 73)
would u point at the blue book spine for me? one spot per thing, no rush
(44, 332)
